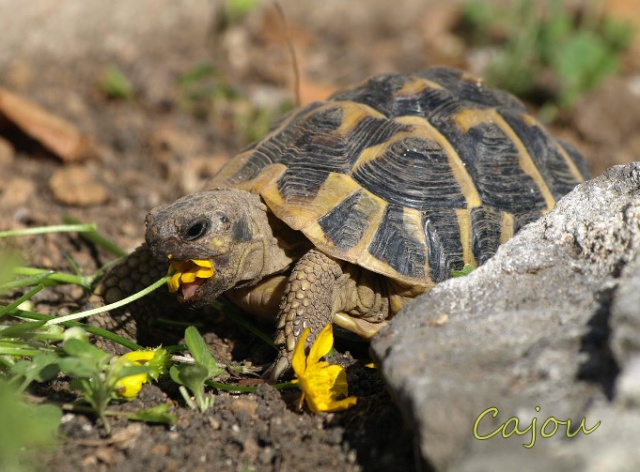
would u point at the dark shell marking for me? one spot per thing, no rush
(409, 176)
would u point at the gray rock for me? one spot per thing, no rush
(625, 319)
(539, 332)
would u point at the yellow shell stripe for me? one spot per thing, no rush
(573, 168)
(464, 224)
(352, 114)
(423, 129)
(470, 118)
(224, 177)
(507, 224)
(336, 188)
(415, 86)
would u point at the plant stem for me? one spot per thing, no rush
(75, 228)
(15, 304)
(112, 306)
(58, 277)
(91, 329)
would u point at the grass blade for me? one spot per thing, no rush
(112, 306)
(75, 228)
(15, 304)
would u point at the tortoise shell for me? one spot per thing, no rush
(409, 176)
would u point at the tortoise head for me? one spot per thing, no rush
(225, 230)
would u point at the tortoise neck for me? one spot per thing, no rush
(274, 249)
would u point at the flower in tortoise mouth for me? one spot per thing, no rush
(189, 275)
(324, 386)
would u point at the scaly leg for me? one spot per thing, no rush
(309, 300)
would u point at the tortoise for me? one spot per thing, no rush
(349, 208)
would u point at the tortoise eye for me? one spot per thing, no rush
(196, 230)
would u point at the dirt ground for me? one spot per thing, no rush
(175, 128)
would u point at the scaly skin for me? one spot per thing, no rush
(309, 301)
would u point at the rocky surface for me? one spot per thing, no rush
(547, 331)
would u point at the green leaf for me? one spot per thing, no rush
(97, 239)
(78, 367)
(191, 376)
(84, 350)
(583, 63)
(197, 74)
(618, 34)
(84, 385)
(200, 352)
(132, 370)
(25, 428)
(111, 306)
(116, 84)
(41, 368)
(157, 414)
(49, 277)
(466, 270)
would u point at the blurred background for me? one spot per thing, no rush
(158, 94)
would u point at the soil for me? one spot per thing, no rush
(164, 140)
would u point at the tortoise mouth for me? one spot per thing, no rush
(187, 278)
(191, 292)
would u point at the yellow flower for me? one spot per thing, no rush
(188, 271)
(156, 359)
(324, 386)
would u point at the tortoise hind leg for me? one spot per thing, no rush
(309, 301)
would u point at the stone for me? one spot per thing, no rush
(75, 185)
(625, 320)
(532, 339)
(16, 192)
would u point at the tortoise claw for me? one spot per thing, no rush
(278, 369)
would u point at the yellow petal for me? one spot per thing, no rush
(188, 277)
(322, 345)
(188, 271)
(139, 357)
(338, 378)
(202, 263)
(174, 282)
(205, 273)
(131, 385)
(299, 362)
(324, 386)
(339, 405)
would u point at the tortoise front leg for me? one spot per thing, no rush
(310, 300)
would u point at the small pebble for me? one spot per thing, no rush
(16, 192)
(76, 186)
